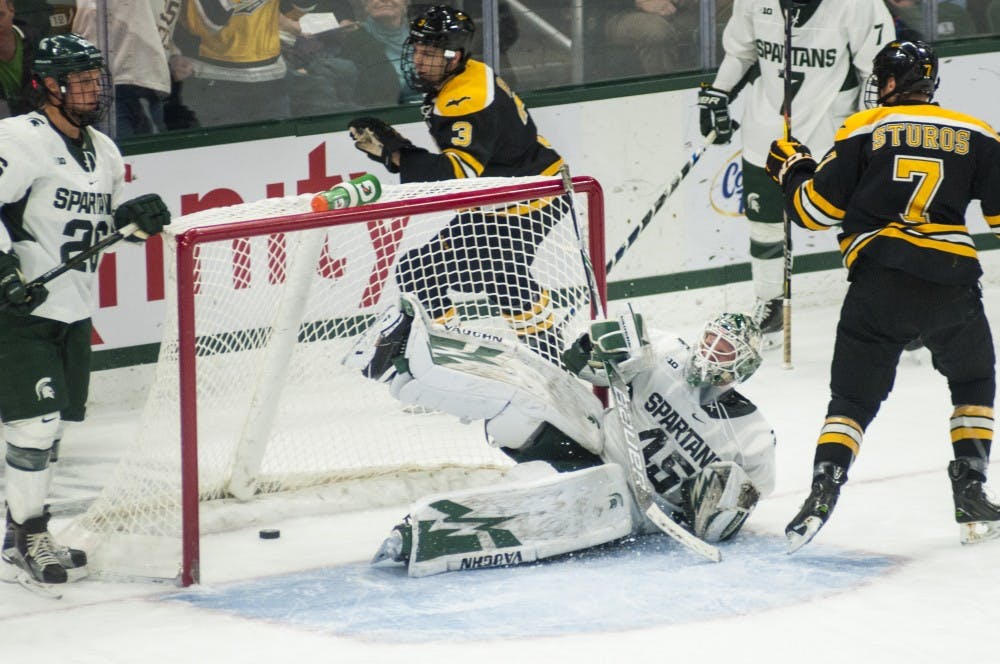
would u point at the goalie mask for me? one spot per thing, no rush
(437, 48)
(728, 352)
(69, 73)
(911, 64)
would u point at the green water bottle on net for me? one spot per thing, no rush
(361, 190)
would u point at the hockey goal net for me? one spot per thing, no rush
(251, 402)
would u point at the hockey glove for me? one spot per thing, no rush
(609, 342)
(15, 295)
(378, 140)
(714, 105)
(148, 212)
(787, 155)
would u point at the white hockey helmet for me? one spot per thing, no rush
(728, 352)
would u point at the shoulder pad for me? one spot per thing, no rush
(467, 93)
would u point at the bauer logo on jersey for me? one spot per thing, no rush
(44, 389)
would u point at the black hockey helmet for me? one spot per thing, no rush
(912, 64)
(58, 57)
(443, 27)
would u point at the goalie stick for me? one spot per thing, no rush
(636, 471)
(79, 259)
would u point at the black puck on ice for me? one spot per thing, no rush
(270, 533)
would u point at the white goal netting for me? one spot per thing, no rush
(278, 296)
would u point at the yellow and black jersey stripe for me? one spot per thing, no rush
(898, 181)
(483, 129)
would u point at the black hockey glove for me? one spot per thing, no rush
(714, 105)
(15, 295)
(786, 156)
(148, 212)
(378, 140)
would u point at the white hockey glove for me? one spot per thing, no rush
(720, 498)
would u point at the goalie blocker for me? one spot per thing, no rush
(536, 411)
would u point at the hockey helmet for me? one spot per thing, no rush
(728, 352)
(60, 56)
(442, 27)
(912, 64)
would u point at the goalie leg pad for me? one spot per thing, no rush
(722, 496)
(519, 522)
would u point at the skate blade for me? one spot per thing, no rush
(11, 574)
(978, 531)
(798, 540)
(390, 550)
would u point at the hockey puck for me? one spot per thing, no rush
(269, 533)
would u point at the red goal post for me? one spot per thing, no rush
(251, 404)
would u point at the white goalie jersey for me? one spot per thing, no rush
(686, 433)
(832, 50)
(684, 429)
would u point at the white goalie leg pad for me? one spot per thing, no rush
(28, 451)
(520, 522)
(722, 498)
(474, 375)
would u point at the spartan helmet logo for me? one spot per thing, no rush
(753, 202)
(44, 389)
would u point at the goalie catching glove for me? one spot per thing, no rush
(605, 341)
(15, 295)
(378, 140)
(148, 212)
(786, 156)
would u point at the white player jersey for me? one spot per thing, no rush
(832, 52)
(53, 207)
(680, 435)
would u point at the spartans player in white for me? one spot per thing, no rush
(833, 44)
(61, 185)
(709, 452)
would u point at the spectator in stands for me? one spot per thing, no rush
(17, 48)
(238, 73)
(906, 31)
(386, 22)
(354, 66)
(659, 36)
(138, 62)
(953, 21)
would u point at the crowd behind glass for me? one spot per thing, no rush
(184, 64)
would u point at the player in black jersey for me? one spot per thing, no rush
(897, 182)
(482, 129)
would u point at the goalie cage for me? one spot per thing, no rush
(251, 417)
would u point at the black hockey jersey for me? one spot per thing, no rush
(898, 181)
(482, 129)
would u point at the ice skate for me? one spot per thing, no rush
(72, 560)
(827, 480)
(31, 552)
(768, 315)
(396, 547)
(382, 343)
(978, 518)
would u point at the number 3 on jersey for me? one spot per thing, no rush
(85, 234)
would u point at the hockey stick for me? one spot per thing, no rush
(636, 470)
(786, 249)
(79, 259)
(651, 212)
